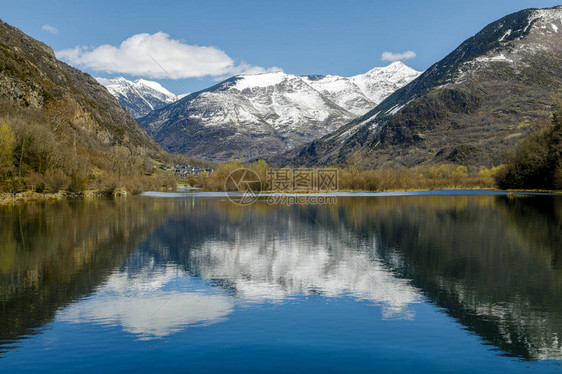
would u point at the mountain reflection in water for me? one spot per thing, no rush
(155, 267)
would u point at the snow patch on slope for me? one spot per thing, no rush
(259, 80)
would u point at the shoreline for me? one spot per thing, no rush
(24, 197)
(30, 196)
(389, 193)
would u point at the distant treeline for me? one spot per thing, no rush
(350, 178)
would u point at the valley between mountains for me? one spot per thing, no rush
(482, 99)
(253, 116)
(486, 109)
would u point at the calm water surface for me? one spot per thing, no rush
(194, 283)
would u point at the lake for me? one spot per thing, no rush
(191, 282)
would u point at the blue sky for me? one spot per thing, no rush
(300, 37)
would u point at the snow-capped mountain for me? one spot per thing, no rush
(361, 93)
(469, 108)
(139, 97)
(253, 115)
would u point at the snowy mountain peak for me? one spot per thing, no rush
(355, 94)
(154, 85)
(491, 80)
(393, 66)
(396, 67)
(251, 115)
(139, 97)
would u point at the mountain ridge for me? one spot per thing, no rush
(252, 115)
(32, 76)
(60, 127)
(459, 99)
(139, 97)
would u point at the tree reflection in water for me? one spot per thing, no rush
(491, 262)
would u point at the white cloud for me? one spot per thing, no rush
(389, 56)
(157, 56)
(49, 28)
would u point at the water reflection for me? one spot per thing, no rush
(52, 254)
(280, 268)
(493, 264)
(263, 254)
(141, 304)
(154, 267)
(280, 253)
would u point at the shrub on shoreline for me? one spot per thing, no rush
(352, 179)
